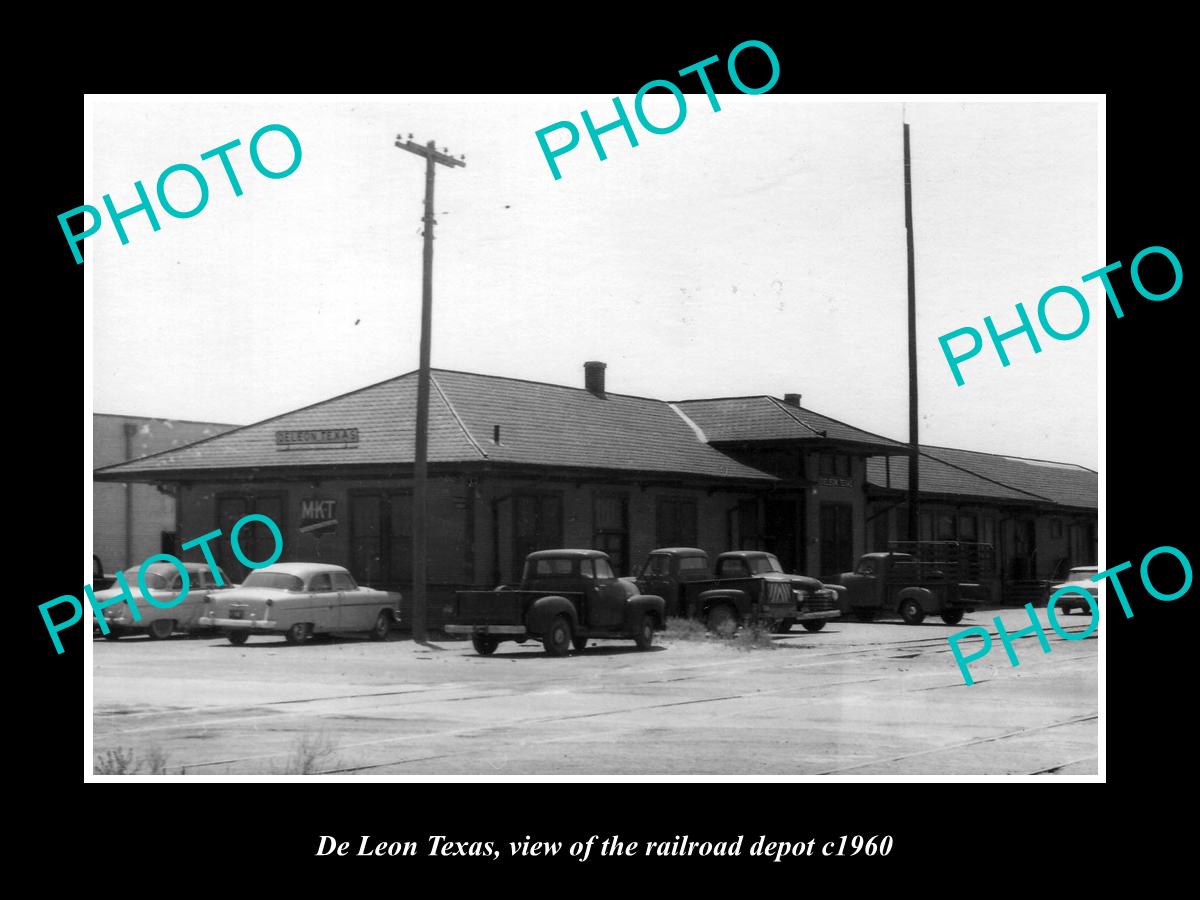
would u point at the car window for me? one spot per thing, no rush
(692, 562)
(657, 564)
(603, 569)
(585, 569)
(866, 567)
(544, 567)
(320, 582)
(733, 568)
(278, 580)
(760, 565)
(343, 582)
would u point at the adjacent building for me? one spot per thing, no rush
(518, 465)
(131, 520)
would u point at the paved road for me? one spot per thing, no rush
(856, 699)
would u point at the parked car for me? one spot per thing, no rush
(299, 600)
(566, 598)
(1078, 577)
(898, 582)
(164, 583)
(100, 580)
(749, 585)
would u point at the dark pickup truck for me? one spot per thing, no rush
(566, 597)
(900, 582)
(750, 585)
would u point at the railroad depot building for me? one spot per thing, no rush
(517, 466)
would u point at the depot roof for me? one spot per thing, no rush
(472, 418)
(763, 418)
(992, 476)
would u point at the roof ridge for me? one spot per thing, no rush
(165, 419)
(787, 408)
(457, 418)
(985, 478)
(565, 387)
(1053, 462)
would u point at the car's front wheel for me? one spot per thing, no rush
(645, 635)
(579, 642)
(814, 625)
(297, 633)
(557, 639)
(237, 638)
(383, 624)
(952, 616)
(113, 635)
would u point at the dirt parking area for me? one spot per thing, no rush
(856, 699)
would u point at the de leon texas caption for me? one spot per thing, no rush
(439, 845)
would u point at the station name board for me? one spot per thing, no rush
(315, 437)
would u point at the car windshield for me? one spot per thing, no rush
(1082, 574)
(278, 580)
(762, 564)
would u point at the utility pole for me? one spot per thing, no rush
(914, 476)
(420, 457)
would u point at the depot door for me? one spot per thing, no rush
(254, 538)
(381, 539)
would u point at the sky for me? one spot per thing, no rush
(755, 250)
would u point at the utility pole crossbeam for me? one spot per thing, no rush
(914, 475)
(420, 456)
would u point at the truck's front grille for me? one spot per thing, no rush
(820, 602)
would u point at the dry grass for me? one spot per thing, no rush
(124, 761)
(312, 754)
(685, 630)
(755, 636)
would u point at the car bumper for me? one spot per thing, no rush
(239, 624)
(484, 629)
(817, 614)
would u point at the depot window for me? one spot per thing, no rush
(835, 464)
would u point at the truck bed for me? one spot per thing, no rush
(498, 607)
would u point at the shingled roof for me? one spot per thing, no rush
(763, 418)
(540, 424)
(970, 473)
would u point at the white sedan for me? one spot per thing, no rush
(299, 600)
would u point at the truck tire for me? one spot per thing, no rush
(578, 641)
(557, 639)
(237, 638)
(722, 620)
(784, 626)
(645, 634)
(484, 644)
(911, 612)
(952, 616)
(814, 625)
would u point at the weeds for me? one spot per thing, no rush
(310, 755)
(685, 630)
(754, 636)
(124, 761)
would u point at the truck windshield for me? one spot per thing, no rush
(762, 564)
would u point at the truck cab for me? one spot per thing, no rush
(566, 598)
(746, 586)
(900, 583)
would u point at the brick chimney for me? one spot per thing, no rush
(791, 399)
(593, 377)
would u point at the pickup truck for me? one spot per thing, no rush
(566, 597)
(750, 585)
(899, 582)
